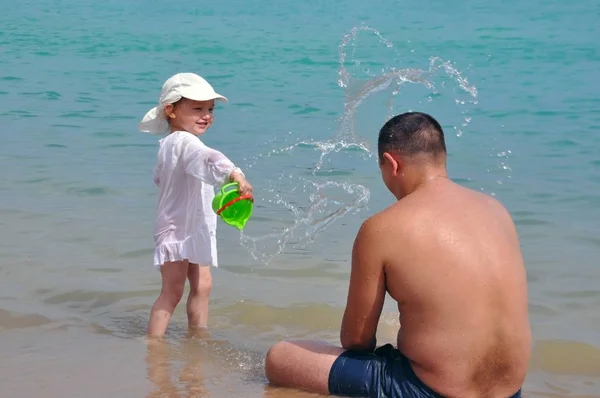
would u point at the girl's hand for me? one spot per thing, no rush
(244, 186)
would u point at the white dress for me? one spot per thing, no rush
(186, 173)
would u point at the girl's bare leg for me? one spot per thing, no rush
(173, 284)
(197, 302)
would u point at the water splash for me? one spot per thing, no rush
(330, 199)
(308, 220)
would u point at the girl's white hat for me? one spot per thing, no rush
(181, 85)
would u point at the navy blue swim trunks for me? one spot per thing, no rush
(386, 372)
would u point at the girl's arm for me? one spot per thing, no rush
(212, 167)
(240, 178)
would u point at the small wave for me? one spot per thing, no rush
(91, 191)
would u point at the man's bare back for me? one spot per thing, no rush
(453, 264)
(450, 257)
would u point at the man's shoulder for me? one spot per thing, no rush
(492, 205)
(387, 223)
(382, 217)
(403, 210)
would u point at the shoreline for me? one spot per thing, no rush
(77, 361)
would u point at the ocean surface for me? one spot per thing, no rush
(515, 85)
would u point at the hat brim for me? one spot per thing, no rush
(201, 95)
(154, 122)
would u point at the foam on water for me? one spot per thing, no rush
(329, 198)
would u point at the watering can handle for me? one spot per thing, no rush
(225, 187)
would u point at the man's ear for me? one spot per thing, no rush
(394, 163)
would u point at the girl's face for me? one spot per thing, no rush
(195, 117)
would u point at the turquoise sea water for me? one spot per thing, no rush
(514, 85)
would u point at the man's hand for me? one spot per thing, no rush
(244, 185)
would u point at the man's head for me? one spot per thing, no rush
(411, 149)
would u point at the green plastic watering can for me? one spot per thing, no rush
(233, 208)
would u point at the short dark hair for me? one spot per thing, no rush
(412, 133)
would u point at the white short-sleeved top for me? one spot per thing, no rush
(186, 173)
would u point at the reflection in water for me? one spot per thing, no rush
(162, 358)
(198, 366)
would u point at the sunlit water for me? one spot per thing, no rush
(514, 85)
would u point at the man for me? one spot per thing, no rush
(450, 257)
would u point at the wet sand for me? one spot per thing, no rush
(49, 359)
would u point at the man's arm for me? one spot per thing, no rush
(366, 293)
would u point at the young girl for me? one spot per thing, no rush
(186, 173)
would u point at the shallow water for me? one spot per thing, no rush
(514, 84)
